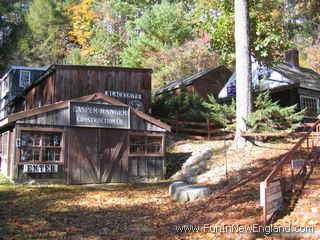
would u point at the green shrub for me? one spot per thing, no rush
(188, 106)
(222, 114)
(269, 116)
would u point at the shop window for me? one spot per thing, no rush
(40, 146)
(144, 145)
(310, 104)
(25, 77)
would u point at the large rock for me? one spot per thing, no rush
(183, 192)
(195, 165)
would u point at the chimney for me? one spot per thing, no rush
(292, 57)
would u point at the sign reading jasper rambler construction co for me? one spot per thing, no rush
(99, 115)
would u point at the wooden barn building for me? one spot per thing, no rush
(204, 83)
(83, 124)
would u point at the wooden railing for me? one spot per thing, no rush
(199, 130)
(311, 138)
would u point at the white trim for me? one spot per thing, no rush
(311, 98)
(20, 78)
(29, 68)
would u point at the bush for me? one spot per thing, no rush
(189, 106)
(222, 114)
(269, 116)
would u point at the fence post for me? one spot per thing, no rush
(176, 121)
(308, 144)
(265, 205)
(208, 128)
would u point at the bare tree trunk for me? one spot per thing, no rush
(243, 69)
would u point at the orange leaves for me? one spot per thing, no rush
(82, 19)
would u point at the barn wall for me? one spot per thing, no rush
(69, 82)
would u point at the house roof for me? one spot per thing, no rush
(275, 78)
(188, 80)
(307, 78)
(64, 104)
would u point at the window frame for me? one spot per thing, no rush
(145, 153)
(20, 78)
(42, 131)
(303, 97)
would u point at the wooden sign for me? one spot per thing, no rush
(126, 95)
(274, 196)
(40, 168)
(297, 164)
(99, 115)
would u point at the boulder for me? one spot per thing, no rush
(182, 192)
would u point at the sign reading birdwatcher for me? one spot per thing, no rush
(297, 164)
(40, 168)
(274, 196)
(99, 115)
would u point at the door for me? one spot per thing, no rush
(114, 155)
(97, 155)
(83, 155)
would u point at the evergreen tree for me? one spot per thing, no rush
(42, 41)
(162, 26)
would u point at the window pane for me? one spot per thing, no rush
(310, 104)
(154, 144)
(30, 154)
(137, 144)
(52, 139)
(30, 139)
(52, 154)
(46, 145)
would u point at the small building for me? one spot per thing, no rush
(204, 83)
(14, 82)
(76, 138)
(287, 82)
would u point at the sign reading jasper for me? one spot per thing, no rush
(99, 115)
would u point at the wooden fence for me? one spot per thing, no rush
(198, 130)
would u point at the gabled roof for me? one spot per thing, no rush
(307, 78)
(187, 81)
(277, 77)
(64, 104)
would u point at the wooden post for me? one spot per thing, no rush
(177, 121)
(265, 205)
(208, 128)
(308, 144)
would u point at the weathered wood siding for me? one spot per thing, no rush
(97, 155)
(69, 82)
(140, 167)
